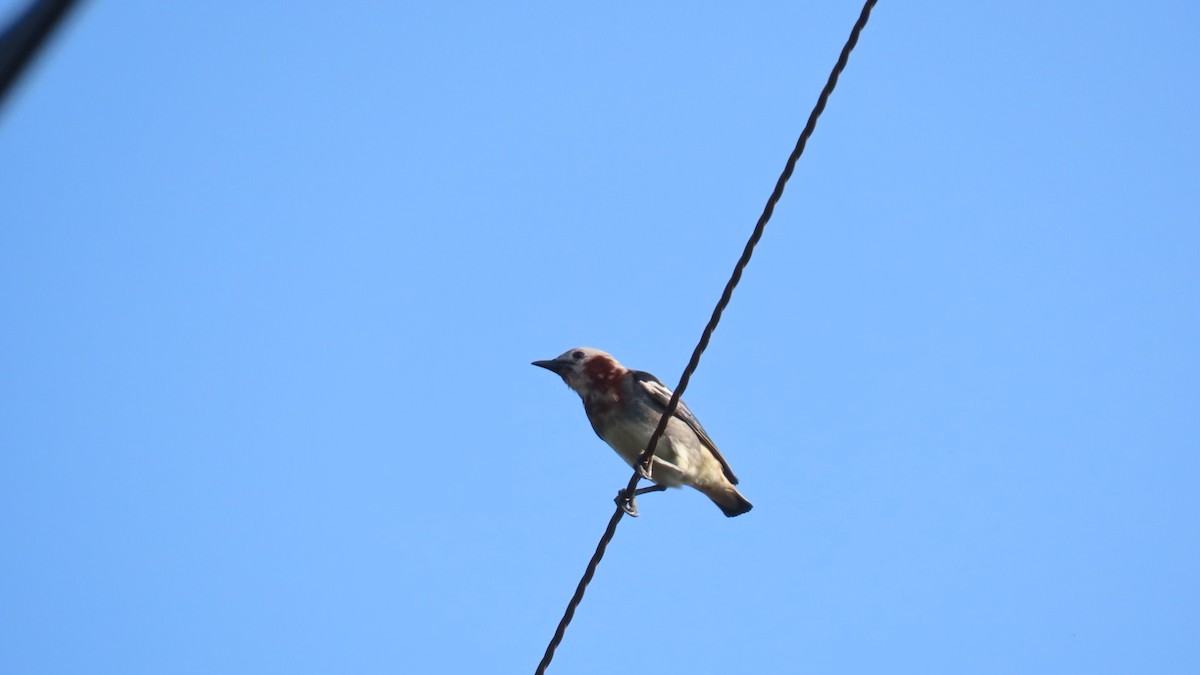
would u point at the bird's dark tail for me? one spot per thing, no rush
(728, 499)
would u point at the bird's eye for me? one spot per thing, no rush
(578, 356)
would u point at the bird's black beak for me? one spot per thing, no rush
(554, 366)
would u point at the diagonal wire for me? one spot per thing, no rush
(648, 455)
(22, 39)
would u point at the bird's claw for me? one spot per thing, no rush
(644, 471)
(627, 502)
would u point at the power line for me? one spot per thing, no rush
(27, 33)
(648, 455)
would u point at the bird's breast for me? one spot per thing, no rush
(625, 426)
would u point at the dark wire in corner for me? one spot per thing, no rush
(21, 40)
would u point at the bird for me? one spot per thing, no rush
(625, 406)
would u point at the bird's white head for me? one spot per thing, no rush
(585, 370)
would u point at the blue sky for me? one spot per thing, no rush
(272, 274)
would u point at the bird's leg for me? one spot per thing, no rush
(644, 470)
(628, 502)
(649, 489)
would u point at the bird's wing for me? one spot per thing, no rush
(661, 395)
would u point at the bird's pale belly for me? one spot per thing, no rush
(677, 459)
